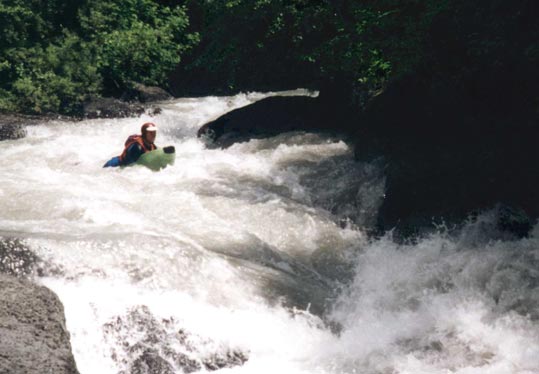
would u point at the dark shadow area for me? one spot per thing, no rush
(446, 156)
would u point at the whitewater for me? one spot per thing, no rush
(255, 258)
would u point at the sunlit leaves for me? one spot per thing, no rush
(137, 40)
(54, 54)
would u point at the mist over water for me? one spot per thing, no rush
(256, 256)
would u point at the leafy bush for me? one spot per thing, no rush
(56, 78)
(469, 45)
(136, 40)
(251, 44)
(55, 54)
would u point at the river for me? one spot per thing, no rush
(255, 258)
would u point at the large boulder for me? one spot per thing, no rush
(447, 154)
(332, 110)
(266, 117)
(278, 114)
(33, 334)
(106, 107)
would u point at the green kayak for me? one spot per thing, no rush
(158, 159)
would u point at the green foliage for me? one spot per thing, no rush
(254, 44)
(43, 67)
(55, 78)
(229, 32)
(54, 54)
(251, 43)
(137, 40)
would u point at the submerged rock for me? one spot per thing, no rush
(106, 107)
(147, 345)
(11, 131)
(146, 94)
(33, 334)
(514, 220)
(333, 264)
(230, 359)
(149, 362)
(16, 258)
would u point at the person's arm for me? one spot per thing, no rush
(133, 153)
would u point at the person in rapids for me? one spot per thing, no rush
(135, 146)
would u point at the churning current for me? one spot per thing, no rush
(254, 258)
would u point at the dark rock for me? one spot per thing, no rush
(154, 111)
(269, 116)
(12, 131)
(14, 125)
(446, 156)
(106, 107)
(151, 363)
(26, 119)
(16, 258)
(228, 360)
(34, 338)
(278, 114)
(501, 223)
(186, 363)
(146, 94)
(514, 220)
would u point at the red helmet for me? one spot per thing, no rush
(148, 126)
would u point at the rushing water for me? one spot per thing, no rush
(253, 259)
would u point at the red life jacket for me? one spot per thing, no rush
(132, 139)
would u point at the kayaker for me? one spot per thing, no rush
(135, 146)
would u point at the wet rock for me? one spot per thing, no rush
(154, 111)
(149, 362)
(502, 222)
(34, 338)
(228, 360)
(147, 345)
(514, 220)
(187, 364)
(11, 131)
(16, 258)
(447, 153)
(105, 107)
(266, 117)
(146, 94)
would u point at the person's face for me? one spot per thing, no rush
(150, 136)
